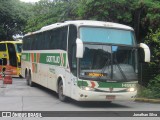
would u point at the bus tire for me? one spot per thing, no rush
(20, 76)
(62, 97)
(30, 83)
(109, 102)
(27, 78)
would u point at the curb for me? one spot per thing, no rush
(147, 100)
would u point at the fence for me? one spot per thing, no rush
(147, 72)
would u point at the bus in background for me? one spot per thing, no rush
(84, 60)
(10, 54)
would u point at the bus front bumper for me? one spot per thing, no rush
(84, 95)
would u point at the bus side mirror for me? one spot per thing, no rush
(146, 50)
(79, 48)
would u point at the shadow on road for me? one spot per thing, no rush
(91, 104)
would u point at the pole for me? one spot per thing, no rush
(3, 74)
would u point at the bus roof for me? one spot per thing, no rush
(19, 41)
(83, 23)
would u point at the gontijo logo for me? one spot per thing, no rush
(53, 59)
(56, 59)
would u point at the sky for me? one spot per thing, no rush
(30, 0)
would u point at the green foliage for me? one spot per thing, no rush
(13, 16)
(152, 90)
(154, 87)
(47, 12)
(153, 40)
(144, 92)
(106, 10)
(142, 15)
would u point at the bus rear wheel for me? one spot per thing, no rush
(61, 96)
(29, 80)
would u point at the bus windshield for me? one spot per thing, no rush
(109, 54)
(109, 63)
(107, 35)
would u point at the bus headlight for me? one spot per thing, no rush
(131, 89)
(87, 88)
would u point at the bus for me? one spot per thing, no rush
(10, 57)
(84, 60)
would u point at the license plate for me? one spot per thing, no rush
(110, 97)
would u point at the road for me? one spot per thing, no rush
(20, 97)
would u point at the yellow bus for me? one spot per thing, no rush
(10, 57)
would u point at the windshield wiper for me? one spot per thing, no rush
(103, 69)
(120, 69)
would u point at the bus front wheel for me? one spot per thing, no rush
(61, 96)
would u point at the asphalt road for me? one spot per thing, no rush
(20, 97)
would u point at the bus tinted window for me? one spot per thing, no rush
(58, 38)
(19, 47)
(40, 41)
(72, 48)
(107, 35)
(3, 47)
(3, 61)
(47, 40)
(33, 42)
(26, 43)
(52, 39)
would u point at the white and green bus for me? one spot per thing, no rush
(84, 60)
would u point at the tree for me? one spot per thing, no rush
(142, 15)
(153, 40)
(48, 12)
(13, 14)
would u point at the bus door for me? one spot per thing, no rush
(3, 63)
(12, 57)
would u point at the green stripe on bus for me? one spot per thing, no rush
(27, 56)
(53, 59)
(58, 59)
(115, 85)
(82, 83)
(35, 57)
(107, 84)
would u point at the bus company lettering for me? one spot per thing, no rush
(128, 85)
(53, 59)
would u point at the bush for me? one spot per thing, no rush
(153, 40)
(154, 87)
(152, 90)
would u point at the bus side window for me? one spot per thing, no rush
(40, 41)
(33, 40)
(46, 40)
(58, 38)
(2, 47)
(72, 48)
(4, 61)
(52, 39)
(63, 38)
